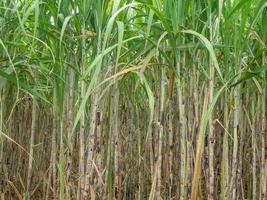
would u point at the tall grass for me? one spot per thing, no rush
(119, 99)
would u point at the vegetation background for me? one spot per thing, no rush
(133, 99)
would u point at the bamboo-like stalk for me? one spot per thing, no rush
(212, 140)
(100, 151)
(140, 174)
(225, 155)
(61, 164)
(30, 163)
(235, 145)
(54, 160)
(182, 132)
(115, 145)
(69, 124)
(150, 151)
(241, 153)
(254, 146)
(199, 150)
(81, 194)
(161, 124)
(83, 182)
(1, 137)
(170, 143)
(108, 177)
(263, 181)
(211, 136)
(91, 145)
(263, 171)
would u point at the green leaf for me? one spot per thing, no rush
(23, 86)
(209, 47)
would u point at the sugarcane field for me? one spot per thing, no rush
(133, 99)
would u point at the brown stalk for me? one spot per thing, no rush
(199, 151)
